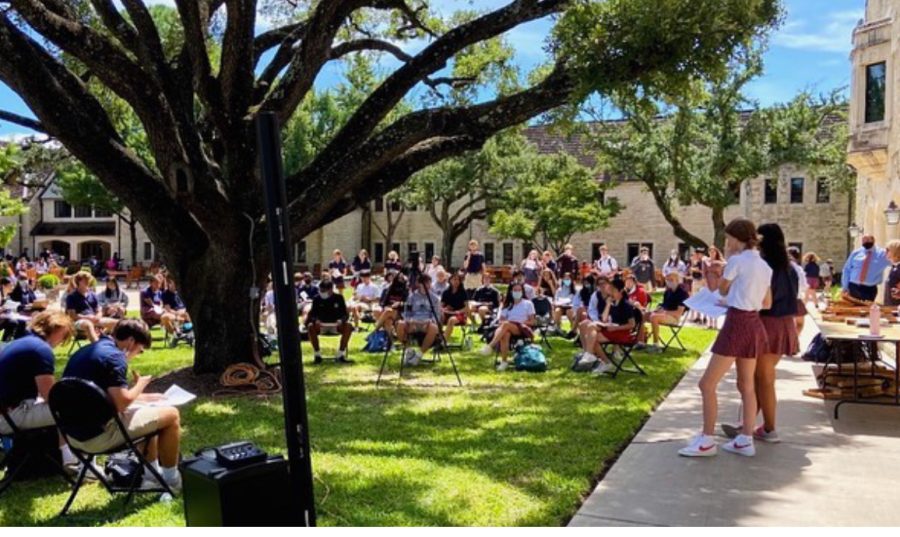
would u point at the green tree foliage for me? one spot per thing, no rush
(10, 206)
(701, 148)
(554, 198)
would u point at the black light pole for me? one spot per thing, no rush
(296, 422)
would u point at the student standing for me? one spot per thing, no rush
(606, 265)
(742, 340)
(781, 331)
(567, 262)
(473, 265)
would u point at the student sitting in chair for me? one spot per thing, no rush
(366, 298)
(419, 318)
(113, 300)
(105, 363)
(329, 315)
(564, 302)
(636, 293)
(669, 312)
(151, 302)
(12, 326)
(617, 322)
(175, 314)
(26, 376)
(392, 300)
(454, 307)
(516, 320)
(596, 305)
(306, 292)
(82, 306)
(486, 300)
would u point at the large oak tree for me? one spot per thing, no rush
(200, 199)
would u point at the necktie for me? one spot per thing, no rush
(865, 268)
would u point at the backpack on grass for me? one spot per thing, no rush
(530, 358)
(377, 342)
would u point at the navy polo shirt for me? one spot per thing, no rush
(476, 261)
(672, 300)
(102, 363)
(82, 304)
(20, 362)
(173, 300)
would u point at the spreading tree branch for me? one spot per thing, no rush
(23, 121)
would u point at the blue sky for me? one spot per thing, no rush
(809, 52)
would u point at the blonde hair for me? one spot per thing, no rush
(472, 243)
(336, 252)
(81, 277)
(893, 249)
(44, 324)
(811, 257)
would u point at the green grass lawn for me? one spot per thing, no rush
(505, 449)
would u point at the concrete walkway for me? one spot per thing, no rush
(825, 472)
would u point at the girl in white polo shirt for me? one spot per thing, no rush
(516, 320)
(745, 286)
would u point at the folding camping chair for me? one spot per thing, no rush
(676, 329)
(543, 319)
(437, 350)
(620, 363)
(77, 406)
(26, 447)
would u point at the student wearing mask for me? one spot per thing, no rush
(105, 363)
(583, 299)
(419, 317)
(864, 270)
(636, 293)
(518, 277)
(594, 311)
(516, 320)
(674, 264)
(26, 376)
(564, 303)
(781, 331)
(741, 342)
(329, 313)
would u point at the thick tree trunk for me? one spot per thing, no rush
(226, 319)
(132, 230)
(448, 240)
(718, 218)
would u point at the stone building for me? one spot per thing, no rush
(813, 218)
(875, 118)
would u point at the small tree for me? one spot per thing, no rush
(553, 200)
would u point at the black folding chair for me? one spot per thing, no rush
(676, 329)
(543, 319)
(26, 447)
(82, 410)
(620, 363)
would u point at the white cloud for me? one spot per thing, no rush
(832, 35)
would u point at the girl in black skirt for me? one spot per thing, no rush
(742, 340)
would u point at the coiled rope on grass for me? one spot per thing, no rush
(248, 379)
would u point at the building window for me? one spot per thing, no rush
(395, 206)
(62, 209)
(83, 211)
(823, 191)
(429, 251)
(876, 76)
(507, 253)
(771, 194)
(684, 251)
(379, 252)
(379, 205)
(148, 251)
(489, 253)
(411, 248)
(102, 213)
(396, 247)
(300, 252)
(797, 189)
(634, 250)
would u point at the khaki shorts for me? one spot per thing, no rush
(472, 281)
(28, 415)
(138, 421)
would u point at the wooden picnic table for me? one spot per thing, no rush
(842, 332)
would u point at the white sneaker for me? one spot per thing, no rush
(741, 445)
(502, 366)
(415, 358)
(175, 484)
(149, 482)
(487, 350)
(408, 355)
(588, 358)
(602, 367)
(700, 446)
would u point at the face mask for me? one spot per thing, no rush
(588, 286)
(671, 286)
(567, 282)
(517, 295)
(325, 294)
(868, 245)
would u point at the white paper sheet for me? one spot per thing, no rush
(707, 302)
(174, 396)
